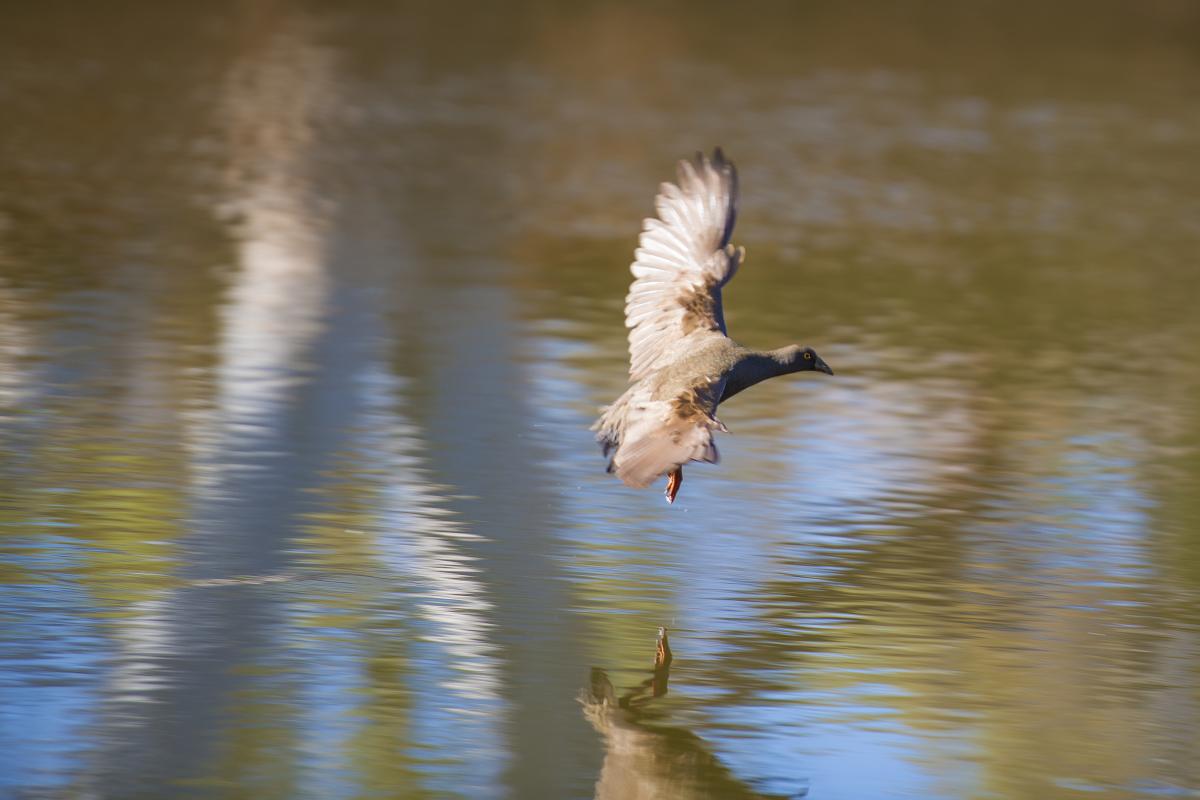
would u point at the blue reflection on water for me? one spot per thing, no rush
(50, 683)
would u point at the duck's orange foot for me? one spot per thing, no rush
(674, 481)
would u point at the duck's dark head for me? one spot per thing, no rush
(805, 359)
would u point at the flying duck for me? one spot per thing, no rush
(682, 365)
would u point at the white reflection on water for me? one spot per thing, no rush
(275, 303)
(141, 644)
(16, 347)
(419, 539)
(420, 542)
(274, 99)
(274, 320)
(166, 681)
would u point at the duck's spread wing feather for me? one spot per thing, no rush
(656, 436)
(683, 259)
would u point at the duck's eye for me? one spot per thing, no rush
(808, 356)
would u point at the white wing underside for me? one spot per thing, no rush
(682, 261)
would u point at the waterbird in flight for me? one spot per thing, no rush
(682, 365)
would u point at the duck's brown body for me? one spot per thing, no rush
(682, 365)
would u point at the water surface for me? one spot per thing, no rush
(304, 314)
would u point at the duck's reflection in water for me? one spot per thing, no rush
(644, 761)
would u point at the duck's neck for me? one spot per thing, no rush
(756, 366)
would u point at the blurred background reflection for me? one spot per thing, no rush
(305, 312)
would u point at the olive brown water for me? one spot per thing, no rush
(305, 310)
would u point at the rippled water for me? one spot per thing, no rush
(304, 314)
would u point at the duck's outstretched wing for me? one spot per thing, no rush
(683, 259)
